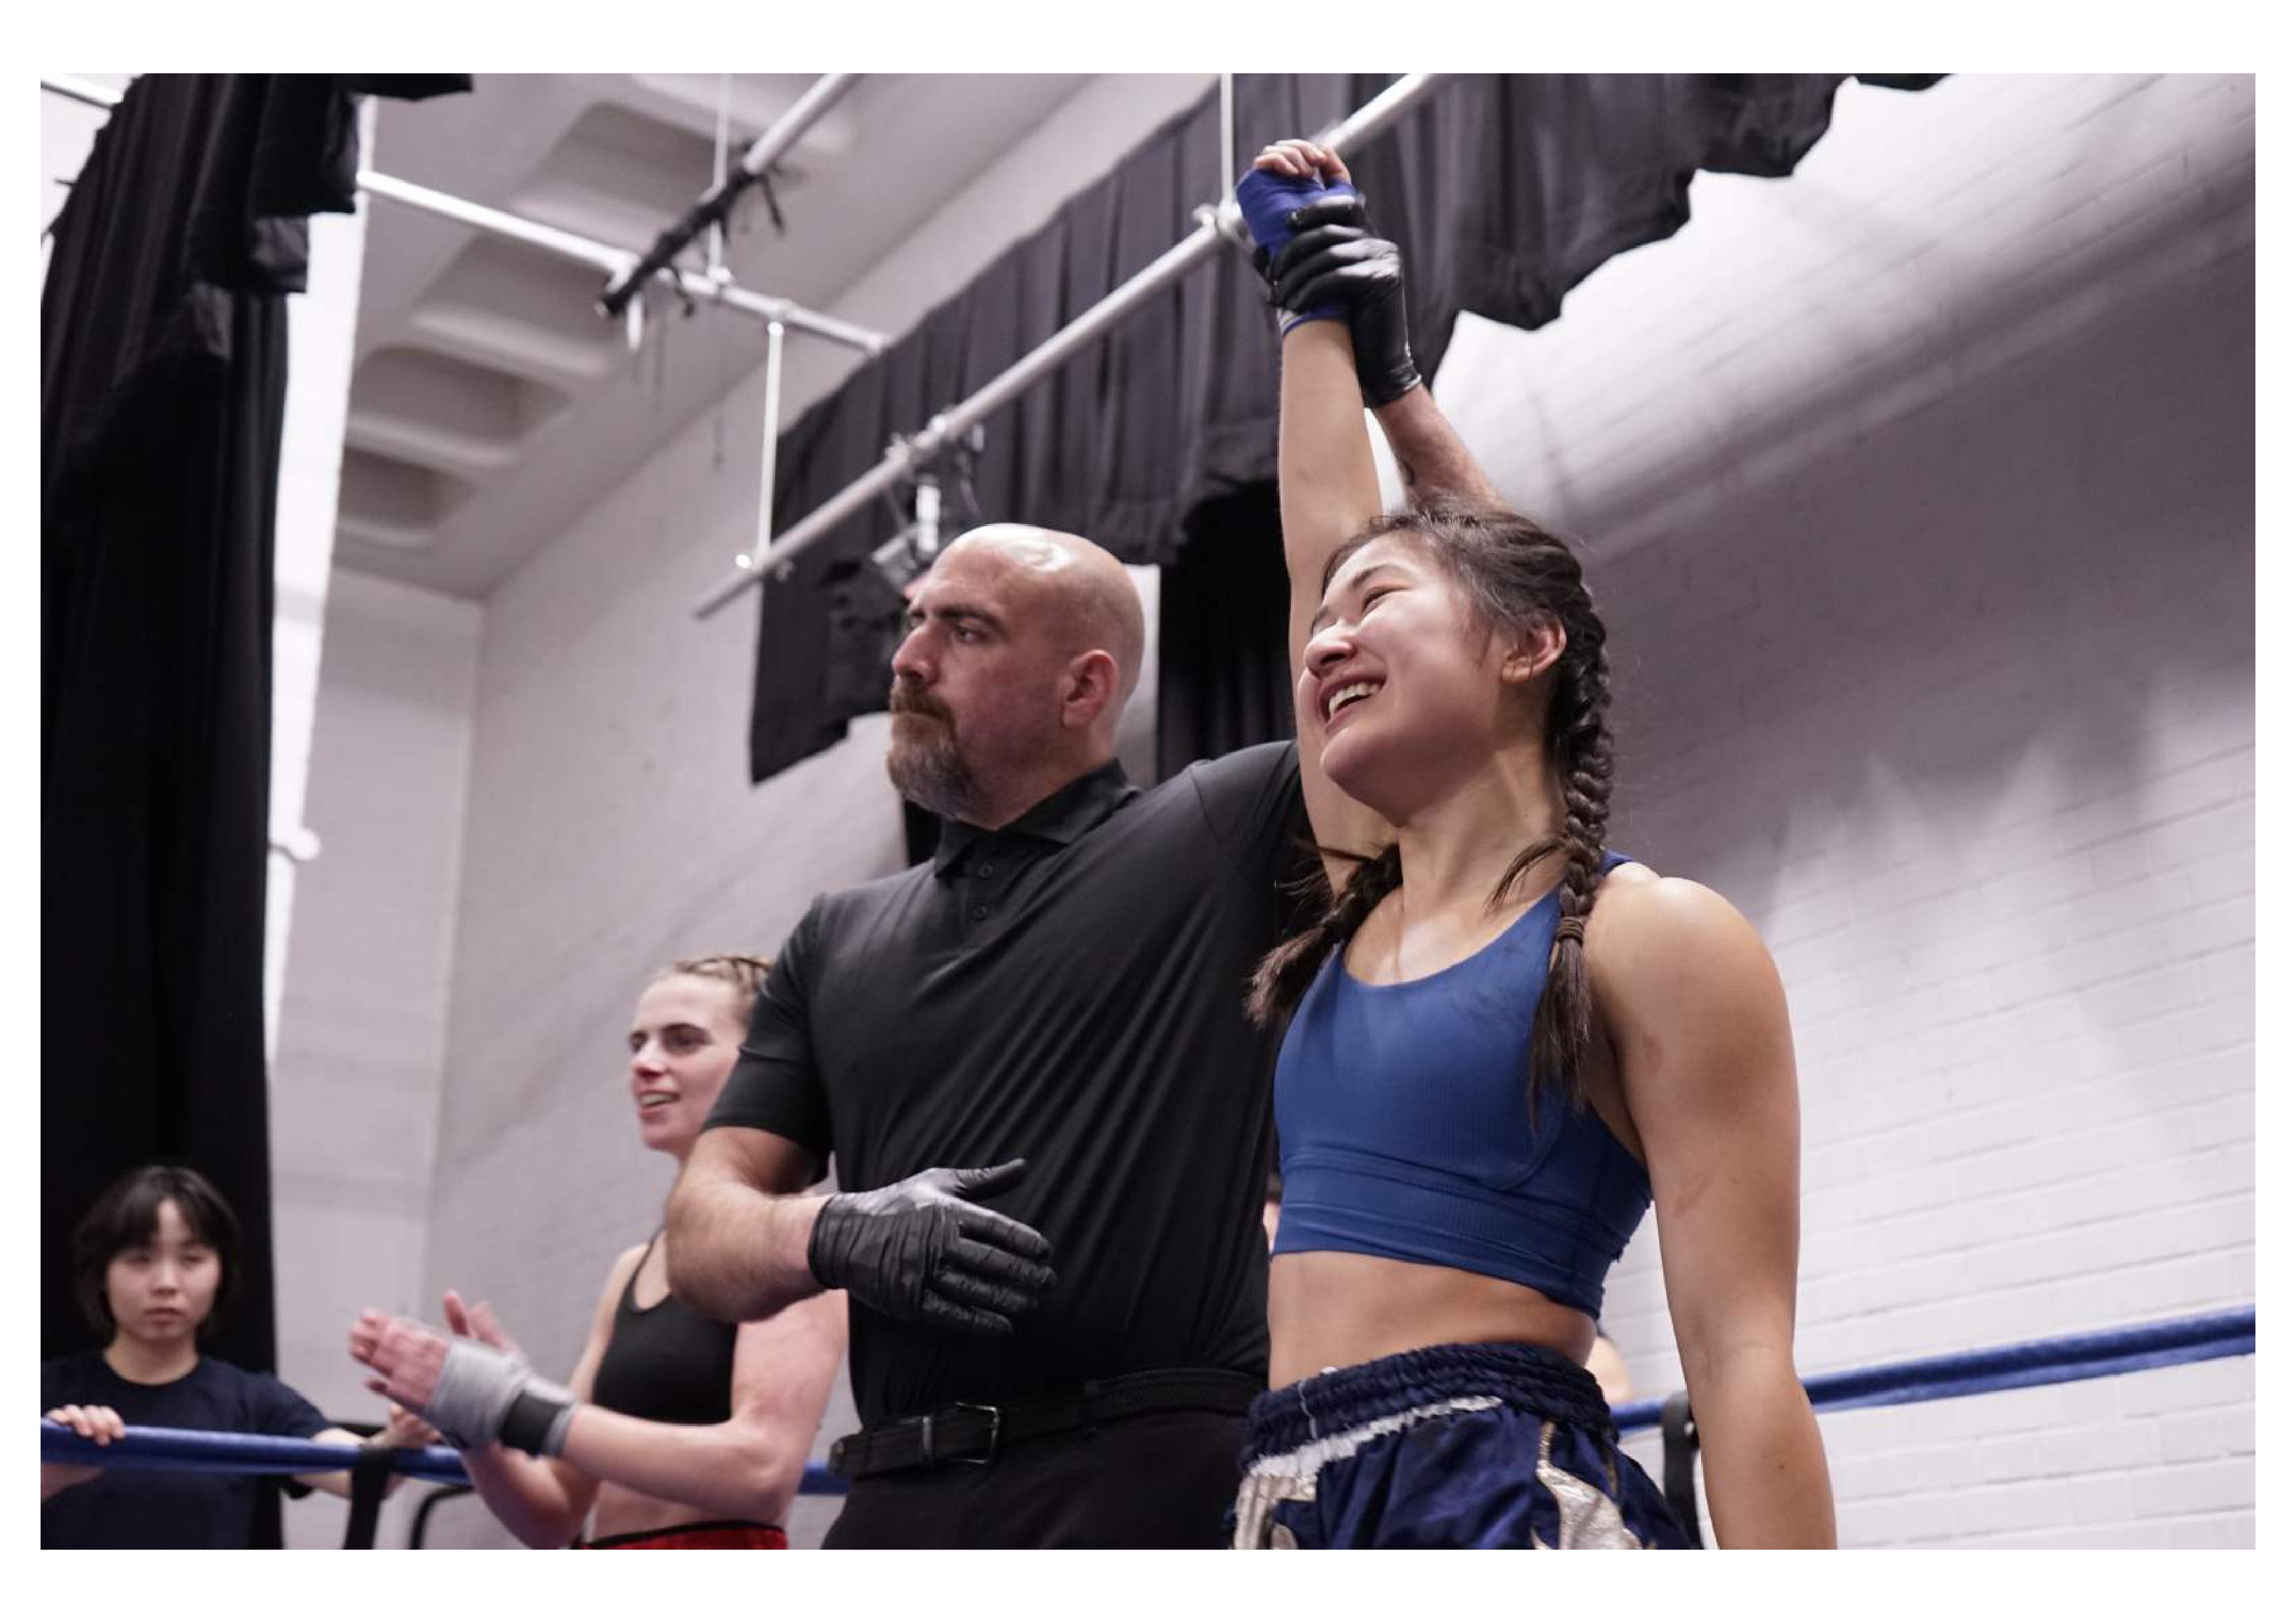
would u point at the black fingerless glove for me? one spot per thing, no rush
(1335, 260)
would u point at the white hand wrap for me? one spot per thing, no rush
(485, 1395)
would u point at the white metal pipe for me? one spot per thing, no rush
(831, 513)
(1227, 135)
(767, 307)
(773, 443)
(614, 260)
(79, 90)
(1366, 121)
(803, 114)
(461, 210)
(1160, 273)
(717, 169)
(928, 541)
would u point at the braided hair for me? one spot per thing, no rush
(1513, 573)
(744, 973)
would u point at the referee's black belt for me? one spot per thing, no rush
(970, 1433)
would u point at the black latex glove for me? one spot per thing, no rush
(915, 1250)
(1335, 260)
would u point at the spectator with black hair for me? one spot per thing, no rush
(155, 1259)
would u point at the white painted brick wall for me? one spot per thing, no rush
(1940, 665)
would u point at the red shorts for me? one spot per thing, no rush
(697, 1535)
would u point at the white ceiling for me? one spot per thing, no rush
(491, 404)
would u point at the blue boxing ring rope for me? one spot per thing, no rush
(245, 1453)
(2047, 1362)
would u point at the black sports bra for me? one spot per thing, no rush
(666, 1362)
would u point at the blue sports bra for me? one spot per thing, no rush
(1403, 1115)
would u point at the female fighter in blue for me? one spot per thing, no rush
(1507, 1041)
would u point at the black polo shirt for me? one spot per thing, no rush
(1067, 988)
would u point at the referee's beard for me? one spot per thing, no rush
(924, 760)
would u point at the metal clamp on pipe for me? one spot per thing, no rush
(712, 207)
(940, 465)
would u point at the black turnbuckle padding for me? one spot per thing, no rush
(369, 1477)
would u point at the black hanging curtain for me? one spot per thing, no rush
(1504, 192)
(163, 372)
(1222, 674)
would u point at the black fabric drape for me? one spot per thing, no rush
(1223, 675)
(163, 372)
(1504, 192)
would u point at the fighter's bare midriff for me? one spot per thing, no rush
(1330, 1309)
(620, 1511)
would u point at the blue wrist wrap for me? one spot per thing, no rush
(1267, 201)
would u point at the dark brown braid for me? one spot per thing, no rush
(1284, 975)
(1514, 573)
(1579, 742)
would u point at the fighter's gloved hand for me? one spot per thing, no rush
(1271, 203)
(1334, 258)
(916, 1250)
(484, 1395)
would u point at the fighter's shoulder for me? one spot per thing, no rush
(1635, 900)
(1650, 929)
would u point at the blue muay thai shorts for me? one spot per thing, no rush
(1487, 1446)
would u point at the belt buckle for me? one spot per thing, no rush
(989, 1449)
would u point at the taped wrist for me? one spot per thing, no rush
(485, 1395)
(1268, 201)
(539, 1418)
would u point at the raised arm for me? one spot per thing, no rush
(1326, 481)
(1434, 461)
(1336, 264)
(1698, 1019)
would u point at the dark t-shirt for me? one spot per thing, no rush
(1066, 989)
(167, 1510)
